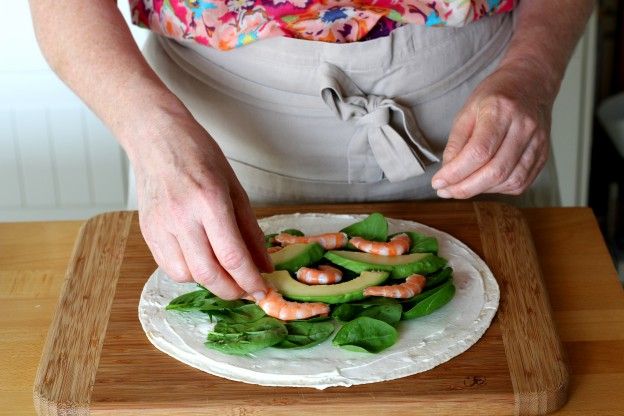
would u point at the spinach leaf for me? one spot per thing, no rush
(215, 305)
(365, 334)
(293, 231)
(410, 302)
(439, 277)
(390, 314)
(246, 313)
(191, 301)
(245, 338)
(441, 296)
(202, 300)
(374, 227)
(388, 311)
(422, 243)
(347, 311)
(269, 240)
(315, 319)
(303, 334)
(375, 300)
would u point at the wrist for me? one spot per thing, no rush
(149, 124)
(540, 75)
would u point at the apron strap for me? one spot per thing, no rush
(376, 148)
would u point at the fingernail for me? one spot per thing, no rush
(258, 295)
(443, 193)
(439, 183)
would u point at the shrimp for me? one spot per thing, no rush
(273, 304)
(329, 241)
(413, 285)
(397, 245)
(273, 249)
(324, 275)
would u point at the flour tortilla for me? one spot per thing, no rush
(423, 342)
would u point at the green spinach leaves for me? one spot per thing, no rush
(365, 334)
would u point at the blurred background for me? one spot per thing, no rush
(57, 161)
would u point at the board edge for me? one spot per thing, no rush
(534, 394)
(50, 395)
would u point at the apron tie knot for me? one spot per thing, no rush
(376, 116)
(376, 148)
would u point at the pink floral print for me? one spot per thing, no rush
(227, 24)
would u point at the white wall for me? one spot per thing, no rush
(57, 160)
(572, 120)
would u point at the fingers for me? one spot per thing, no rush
(494, 172)
(201, 263)
(173, 261)
(491, 126)
(160, 242)
(529, 166)
(251, 232)
(230, 249)
(461, 131)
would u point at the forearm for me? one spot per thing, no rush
(544, 38)
(89, 46)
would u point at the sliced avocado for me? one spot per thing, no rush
(338, 293)
(398, 266)
(294, 256)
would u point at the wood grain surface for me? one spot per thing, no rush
(499, 375)
(71, 353)
(585, 294)
(534, 352)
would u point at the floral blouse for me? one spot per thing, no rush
(227, 24)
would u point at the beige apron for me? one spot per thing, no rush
(306, 121)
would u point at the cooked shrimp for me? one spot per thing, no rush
(274, 249)
(413, 285)
(329, 241)
(273, 304)
(324, 275)
(397, 245)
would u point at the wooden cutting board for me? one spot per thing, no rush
(97, 360)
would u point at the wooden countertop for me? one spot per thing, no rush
(586, 296)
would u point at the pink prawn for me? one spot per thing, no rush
(397, 245)
(324, 275)
(273, 304)
(413, 285)
(329, 241)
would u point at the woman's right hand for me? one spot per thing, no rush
(194, 214)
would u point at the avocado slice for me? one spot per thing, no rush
(294, 256)
(398, 266)
(338, 293)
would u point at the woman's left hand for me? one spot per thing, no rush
(499, 141)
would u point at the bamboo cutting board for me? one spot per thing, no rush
(97, 360)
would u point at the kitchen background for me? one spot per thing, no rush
(57, 161)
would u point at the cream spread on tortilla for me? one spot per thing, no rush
(423, 342)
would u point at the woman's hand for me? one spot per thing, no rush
(500, 138)
(194, 214)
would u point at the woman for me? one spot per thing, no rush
(300, 119)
